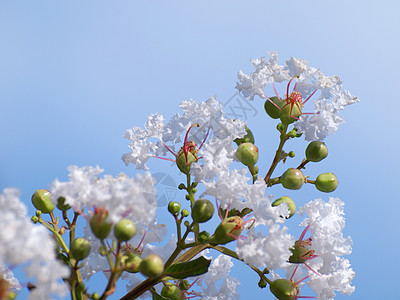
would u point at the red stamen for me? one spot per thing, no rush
(163, 158)
(276, 93)
(287, 90)
(167, 149)
(187, 132)
(272, 102)
(208, 131)
(309, 97)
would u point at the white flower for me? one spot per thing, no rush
(121, 196)
(24, 242)
(326, 224)
(208, 114)
(332, 98)
(219, 270)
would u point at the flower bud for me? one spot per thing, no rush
(326, 182)
(290, 112)
(247, 153)
(80, 248)
(124, 230)
(185, 158)
(41, 200)
(174, 207)
(61, 204)
(292, 179)
(172, 292)
(184, 285)
(184, 213)
(316, 151)
(131, 262)
(248, 138)
(291, 154)
(203, 237)
(284, 289)
(300, 252)
(202, 210)
(152, 266)
(99, 225)
(228, 230)
(271, 109)
(290, 203)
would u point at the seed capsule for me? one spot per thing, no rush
(284, 289)
(326, 182)
(99, 225)
(174, 207)
(80, 248)
(172, 292)
(202, 210)
(247, 154)
(316, 151)
(152, 266)
(227, 231)
(41, 200)
(131, 262)
(124, 230)
(292, 179)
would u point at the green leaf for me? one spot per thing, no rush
(181, 270)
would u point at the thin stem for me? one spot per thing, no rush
(277, 158)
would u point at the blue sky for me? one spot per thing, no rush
(74, 76)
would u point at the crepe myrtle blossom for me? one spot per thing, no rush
(29, 246)
(121, 196)
(331, 100)
(326, 223)
(159, 138)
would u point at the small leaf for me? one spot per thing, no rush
(181, 270)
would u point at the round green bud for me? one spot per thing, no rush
(184, 285)
(184, 213)
(290, 203)
(41, 199)
(172, 292)
(61, 204)
(280, 127)
(292, 133)
(247, 154)
(174, 207)
(284, 289)
(99, 225)
(228, 230)
(291, 154)
(124, 230)
(35, 219)
(262, 283)
(316, 151)
(273, 110)
(248, 138)
(326, 182)
(80, 248)
(184, 160)
(290, 112)
(95, 296)
(203, 237)
(186, 223)
(202, 210)
(152, 266)
(292, 179)
(131, 262)
(181, 186)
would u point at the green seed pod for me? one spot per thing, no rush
(184, 160)
(326, 182)
(290, 203)
(172, 292)
(131, 262)
(292, 179)
(41, 200)
(203, 237)
(316, 151)
(228, 230)
(248, 138)
(124, 230)
(152, 266)
(80, 248)
(61, 204)
(202, 210)
(174, 208)
(290, 112)
(99, 225)
(271, 109)
(284, 289)
(247, 154)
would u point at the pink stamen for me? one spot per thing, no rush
(295, 269)
(287, 90)
(301, 280)
(276, 93)
(167, 149)
(208, 131)
(309, 97)
(187, 132)
(219, 211)
(294, 88)
(304, 233)
(141, 241)
(163, 158)
(312, 269)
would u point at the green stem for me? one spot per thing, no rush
(189, 189)
(277, 158)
